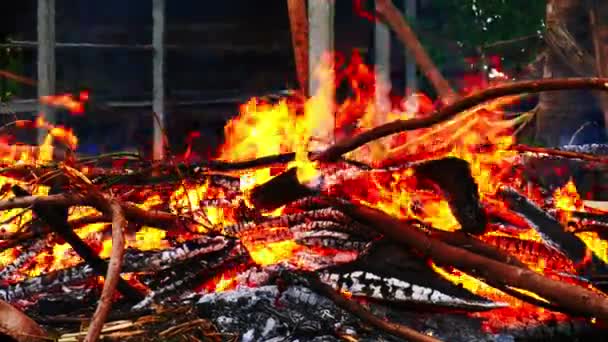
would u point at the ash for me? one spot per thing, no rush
(298, 314)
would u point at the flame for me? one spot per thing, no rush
(567, 200)
(67, 101)
(481, 136)
(273, 253)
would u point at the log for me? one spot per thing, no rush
(552, 232)
(570, 297)
(454, 177)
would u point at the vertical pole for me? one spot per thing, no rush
(298, 22)
(382, 70)
(410, 63)
(158, 66)
(321, 45)
(46, 58)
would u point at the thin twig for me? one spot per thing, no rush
(560, 153)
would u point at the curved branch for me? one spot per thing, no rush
(349, 144)
(113, 274)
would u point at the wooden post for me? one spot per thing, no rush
(321, 45)
(382, 71)
(46, 58)
(411, 84)
(158, 66)
(298, 22)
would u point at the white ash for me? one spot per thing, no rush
(322, 234)
(369, 285)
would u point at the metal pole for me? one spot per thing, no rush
(158, 65)
(382, 70)
(321, 45)
(46, 58)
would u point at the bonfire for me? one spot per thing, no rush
(411, 223)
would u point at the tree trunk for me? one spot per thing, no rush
(563, 115)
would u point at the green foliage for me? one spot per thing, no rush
(10, 60)
(472, 24)
(479, 22)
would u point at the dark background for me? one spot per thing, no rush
(237, 49)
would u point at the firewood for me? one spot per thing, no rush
(448, 112)
(571, 297)
(468, 242)
(63, 229)
(17, 326)
(387, 10)
(454, 177)
(278, 191)
(552, 232)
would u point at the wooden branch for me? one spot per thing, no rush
(560, 153)
(468, 242)
(298, 21)
(113, 274)
(18, 78)
(16, 326)
(446, 113)
(387, 10)
(63, 229)
(156, 218)
(363, 314)
(571, 297)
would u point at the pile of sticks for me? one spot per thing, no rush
(331, 221)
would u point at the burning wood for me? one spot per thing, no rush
(348, 222)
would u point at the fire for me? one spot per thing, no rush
(567, 200)
(273, 253)
(481, 136)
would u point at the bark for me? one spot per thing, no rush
(598, 16)
(567, 36)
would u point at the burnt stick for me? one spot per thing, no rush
(549, 228)
(63, 229)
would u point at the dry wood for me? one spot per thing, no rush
(349, 144)
(569, 297)
(156, 218)
(63, 229)
(387, 10)
(560, 153)
(113, 274)
(364, 315)
(17, 326)
(462, 240)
